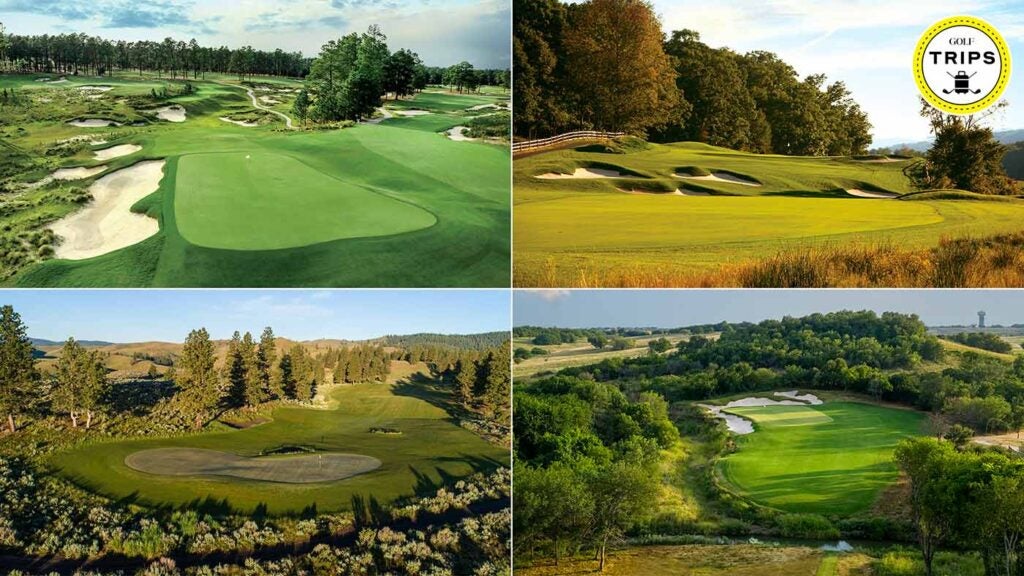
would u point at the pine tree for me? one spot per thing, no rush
(197, 377)
(234, 372)
(498, 382)
(465, 381)
(266, 356)
(69, 378)
(252, 379)
(18, 375)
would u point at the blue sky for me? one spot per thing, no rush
(168, 315)
(674, 308)
(866, 43)
(442, 32)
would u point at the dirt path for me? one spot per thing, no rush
(255, 103)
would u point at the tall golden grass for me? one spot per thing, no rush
(993, 262)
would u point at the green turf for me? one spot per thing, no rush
(265, 201)
(832, 463)
(431, 450)
(569, 231)
(363, 206)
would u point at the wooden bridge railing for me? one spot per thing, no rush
(525, 145)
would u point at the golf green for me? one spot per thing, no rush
(831, 459)
(265, 201)
(431, 451)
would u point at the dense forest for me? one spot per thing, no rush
(606, 65)
(982, 340)
(462, 341)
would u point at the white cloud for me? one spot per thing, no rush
(548, 295)
(281, 306)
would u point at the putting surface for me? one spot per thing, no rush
(430, 452)
(265, 201)
(304, 469)
(832, 459)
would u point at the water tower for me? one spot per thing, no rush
(981, 319)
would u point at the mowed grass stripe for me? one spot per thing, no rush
(835, 467)
(263, 201)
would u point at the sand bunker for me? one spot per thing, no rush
(301, 469)
(116, 151)
(384, 115)
(96, 88)
(721, 177)
(93, 123)
(173, 113)
(239, 122)
(77, 173)
(458, 134)
(870, 194)
(810, 399)
(413, 113)
(483, 107)
(583, 173)
(879, 160)
(269, 100)
(107, 223)
(739, 425)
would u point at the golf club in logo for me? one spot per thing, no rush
(962, 65)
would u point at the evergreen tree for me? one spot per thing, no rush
(266, 357)
(465, 381)
(197, 378)
(234, 372)
(18, 375)
(252, 380)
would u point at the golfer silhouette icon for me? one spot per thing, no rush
(961, 83)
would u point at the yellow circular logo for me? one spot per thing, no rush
(962, 65)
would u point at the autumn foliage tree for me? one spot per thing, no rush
(615, 60)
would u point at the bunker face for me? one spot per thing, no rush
(583, 173)
(302, 469)
(93, 123)
(172, 113)
(724, 177)
(107, 223)
(266, 201)
(116, 151)
(870, 194)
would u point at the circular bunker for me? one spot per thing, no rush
(290, 469)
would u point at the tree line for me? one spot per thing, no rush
(880, 356)
(982, 340)
(252, 373)
(80, 53)
(606, 65)
(348, 78)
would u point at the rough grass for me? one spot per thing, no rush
(587, 233)
(996, 261)
(463, 184)
(431, 451)
(834, 465)
(711, 560)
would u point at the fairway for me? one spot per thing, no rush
(266, 206)
(831, 459)
(265, 201)
(632, 229)
(430, 451)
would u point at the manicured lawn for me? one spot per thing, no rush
(830, 459)
(392, 204)
(265, 201)
(430, 451)
(579, 232)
